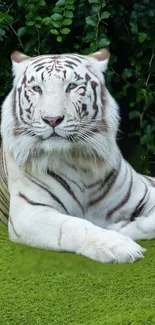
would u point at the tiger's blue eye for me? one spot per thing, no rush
(37, 89)
(71, 86)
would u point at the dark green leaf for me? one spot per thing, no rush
(96, 8)
(46, 21)
(38, 18)
(134, 27)
(104, 42)
(146, 138)
(54, 31)
(69, 7)
(93, 47)
(103, 3)
(105, 15)
(30, 23)
(67, 22)
(60, 3)
(134, 114)
(65, 31)
(132, 104)
(21, 31)
(56, 16)
(2, 32)
(142, 37)
(42, 3)
(21, 2)
(91, 20)
(58, 10)
(89, 37)
(93, 1)
(56, 23)
(127, 73)
(76, 46)
(59, 39)
(68, 14)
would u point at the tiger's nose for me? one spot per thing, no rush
(53, 121)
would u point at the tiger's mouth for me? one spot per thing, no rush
(56, 136)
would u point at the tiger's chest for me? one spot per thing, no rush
(103, 196)
(81, 194)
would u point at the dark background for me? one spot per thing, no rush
(126, 27)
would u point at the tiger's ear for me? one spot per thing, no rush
(19, 64)
(102, 56)
(18, 57)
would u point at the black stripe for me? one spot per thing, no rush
(71, 180)
(4, 213)
(105, 184)
(66, 186)
(70, 126)
(91, 185)
(140, 206)
(95, 107)
(42, 185)
(46, 60)
(14, 105)
(69, 66)
(103, 101)
(31, 79)
(150, 211)
(32, 202)
(19, 90)
(124, 201)
(26, 96)
(77, 76)
(5, 200)
(40, 68)
(73, 58)
(70, 62)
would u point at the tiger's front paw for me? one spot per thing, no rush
(111, 247)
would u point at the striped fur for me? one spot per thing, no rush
(4, 194)
(69, 186)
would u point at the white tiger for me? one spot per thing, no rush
(70, 188)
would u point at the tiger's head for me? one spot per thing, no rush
(59, 103)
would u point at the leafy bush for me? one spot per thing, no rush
(126, 27)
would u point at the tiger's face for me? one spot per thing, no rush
(59, 102)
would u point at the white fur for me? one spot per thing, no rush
(29, 159)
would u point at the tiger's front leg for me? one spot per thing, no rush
(38, 225)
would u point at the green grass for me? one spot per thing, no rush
(46, 288)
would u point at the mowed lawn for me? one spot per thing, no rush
(46, 288)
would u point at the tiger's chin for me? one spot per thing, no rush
(40, 158)
(31, 150)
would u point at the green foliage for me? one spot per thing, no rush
(126, 27)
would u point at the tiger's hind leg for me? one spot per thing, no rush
(142, 227)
